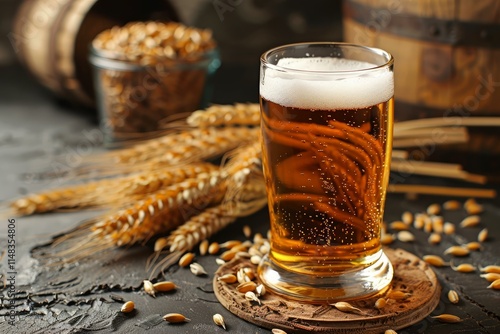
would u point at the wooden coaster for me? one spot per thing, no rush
(411, 276)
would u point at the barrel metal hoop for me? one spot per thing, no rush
(452, 32)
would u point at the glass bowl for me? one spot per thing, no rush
(136, 97)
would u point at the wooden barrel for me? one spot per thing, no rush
(447, 58)
(51, 38)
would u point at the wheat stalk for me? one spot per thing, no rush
(201, 227)
(156, 214)
(216, 115)
(245, 194)
(245, 183)
(186, 236)
(217, 142)
(441, 190)
(243, 161)
(206, 138)
(56, 199)
(172, 149)
(106, 192)
(445, 121)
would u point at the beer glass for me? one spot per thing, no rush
(327, 118)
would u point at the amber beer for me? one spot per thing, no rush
(335, 199)
(327, 138)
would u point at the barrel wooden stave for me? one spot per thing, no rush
(447, 63)
(438, 75)
(441, 74)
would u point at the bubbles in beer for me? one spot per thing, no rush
(326, 147)
(327, 195)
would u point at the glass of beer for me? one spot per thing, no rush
(327, 119)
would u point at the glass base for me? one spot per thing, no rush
(313, 289)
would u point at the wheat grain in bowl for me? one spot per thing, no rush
(148, 71)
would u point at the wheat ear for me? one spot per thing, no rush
(186, 236)
(182, 148)
(157, 213)
(245, 194)
(245, 182)
(106, 192)
(216, 115)
(201, 227)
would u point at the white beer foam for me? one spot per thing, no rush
(309, 91)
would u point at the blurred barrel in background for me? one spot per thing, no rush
(447, 59)
(445, 50)
(51, 38)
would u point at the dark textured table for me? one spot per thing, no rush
(36, 130)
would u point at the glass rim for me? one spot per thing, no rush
(264, 58)
(105, 59)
